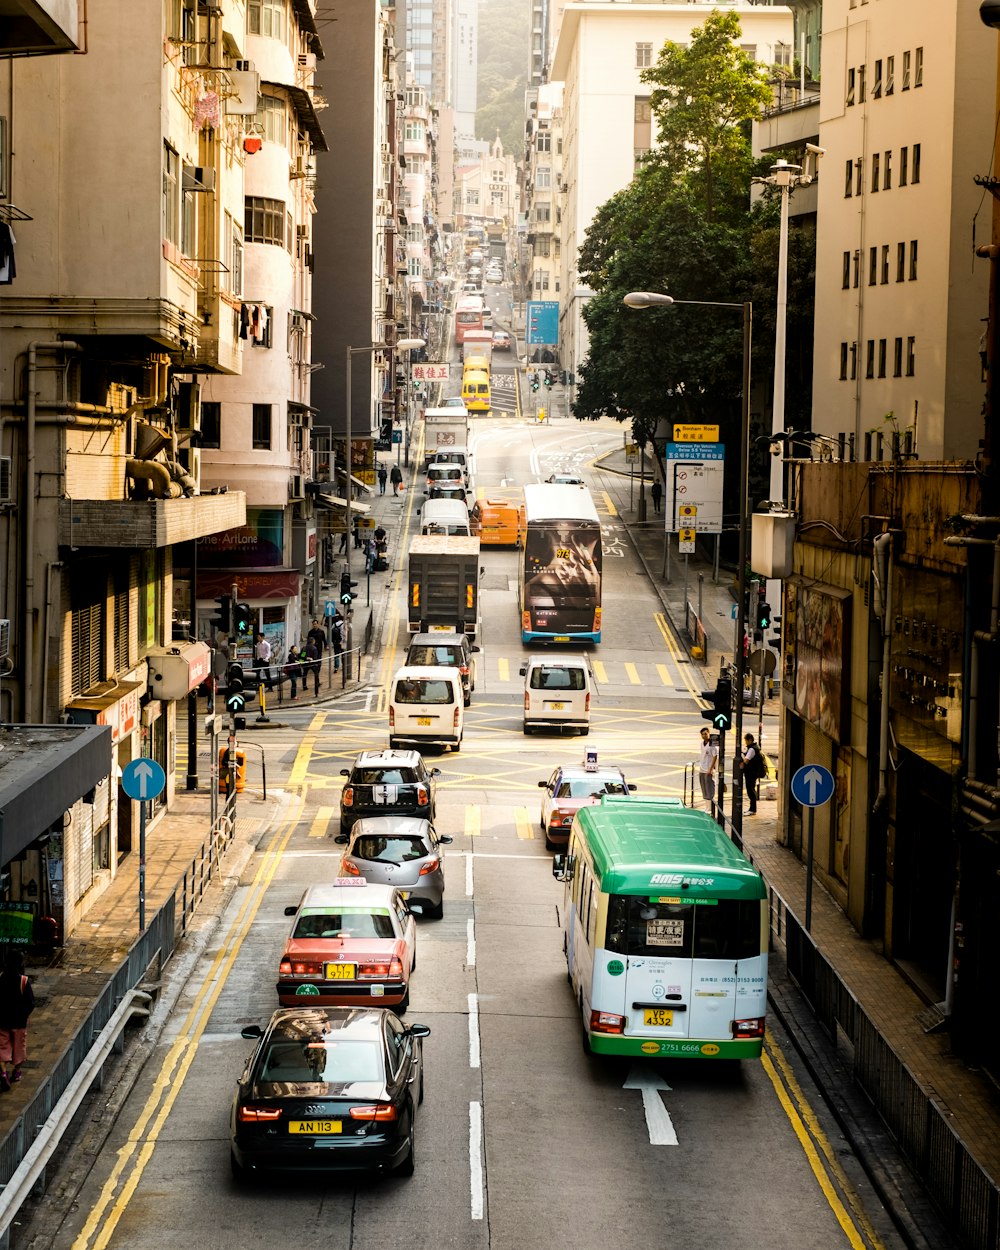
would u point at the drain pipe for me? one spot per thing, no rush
(28, 514)
(882, 573)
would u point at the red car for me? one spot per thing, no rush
(501, 341)
(569, 789)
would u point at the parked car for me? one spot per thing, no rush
(387, 783)
(402, 851)
(502, 341)
(452, 650)
(328, 1089)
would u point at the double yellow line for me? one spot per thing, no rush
(136, 1153)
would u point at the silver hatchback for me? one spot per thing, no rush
(401, 851)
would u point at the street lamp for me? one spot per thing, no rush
(402, 346)
(650, 299)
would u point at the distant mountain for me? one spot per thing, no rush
(504, 54)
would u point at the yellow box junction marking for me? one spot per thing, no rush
(632, 673)
(503, 669)
(321, 821)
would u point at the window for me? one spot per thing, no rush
(846, 274)
(266, 17)
(262, 427)
(642, 126)
(843, 362)
(211, 424)
(851, 76)
(857, 268)
(911, 347)
(189, 223)
(862, 91)
(123, 620)
(881, 358)
(543, 143)
(877, 83)
(87, 597)
(885, 264)
(264, 220)
(872, 266)
(915, 176)
(918, 68)
(854, 361)
(414, 267)
(235, 258)
(890, 73)
(171, 196)
(887, 171)
(849, 180)
(876, 171)
(870, 359)
(543, 212)
(859, 182)
(900, 261)
(543, 178)
(543, 245)
(472, 197)
(897, 358)
(414, 131)
(271, 119)
(643, 55)
(913, 260)
(904, 165)
(905, 84)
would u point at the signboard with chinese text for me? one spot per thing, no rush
(694, 476)
(542, 323)
(427, 372)
(696, 433)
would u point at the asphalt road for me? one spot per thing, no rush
(523, 1141)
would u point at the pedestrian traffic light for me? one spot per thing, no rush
(242, 618)
(236, 699)
(534, 381)
(549, 379)
(763, 616)
(721, 711)
(220, 621)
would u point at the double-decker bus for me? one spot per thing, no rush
(665, 932)
(559, 588)
(469, 313)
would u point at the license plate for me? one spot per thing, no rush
(423, 720)
(316, 1128)
(561, 638)
(340, 972)
(556, 707)
(658, 1016)
(441, 629)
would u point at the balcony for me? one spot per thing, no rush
(39, 26)
(147, 524)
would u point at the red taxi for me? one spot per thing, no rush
(569, 789)
(352, 944)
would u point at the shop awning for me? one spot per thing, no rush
(335, 501)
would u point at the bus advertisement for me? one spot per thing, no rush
(665, 932)
(468, 316)
(559, 589)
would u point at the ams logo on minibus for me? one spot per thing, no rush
(677, 878)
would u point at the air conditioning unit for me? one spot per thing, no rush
(307, 61)
(245, 67)
(198, 178)
(298, 490)
(6, 484)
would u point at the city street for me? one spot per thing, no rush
(523, 1140)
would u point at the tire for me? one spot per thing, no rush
(457, 746)
(393, 744)
(549, 845)
(345, 830)
(400, 1008)
(467, 702)
(237, 1169)
(584, 732)
(413, 966)
(436, 913)
(528, 730)
(420, 1092)
(406, 1167)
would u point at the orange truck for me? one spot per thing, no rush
(498, 522)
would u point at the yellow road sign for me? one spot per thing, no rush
(687, 510)
(696, 433)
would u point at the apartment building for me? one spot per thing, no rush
(599, 50)
(487, 190)
(542, 196)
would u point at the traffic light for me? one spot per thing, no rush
(763, 616)
(220, 622)
(242, 618)
(236, 699)
(721, 711)
(549, 379)
(346, 588)
(534, 382)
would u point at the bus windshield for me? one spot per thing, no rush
(715, 929)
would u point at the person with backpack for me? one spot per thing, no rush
(753, 769)
(293, 671)
(17, 1002)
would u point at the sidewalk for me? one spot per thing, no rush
(968, 1101)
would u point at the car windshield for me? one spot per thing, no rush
(434, 655)
(383, 777)
(302, 1061)
(423, 690)
(590, 787)
(544, 678)
(345, 922)
(391, 849)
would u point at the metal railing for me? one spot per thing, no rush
(204, 865)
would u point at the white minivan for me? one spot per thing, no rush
(556, 693)
(426, 707)
(445, 516)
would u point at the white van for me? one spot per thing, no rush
(426, 706)
(556, 693)
(445, 516)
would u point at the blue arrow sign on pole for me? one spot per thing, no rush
(812, 785)
(143, 779)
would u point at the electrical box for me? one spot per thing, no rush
(772, 540)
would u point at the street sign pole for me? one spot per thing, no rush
(809, 868)
(812, 786)
(142, 779)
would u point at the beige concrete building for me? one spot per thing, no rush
(542, 195)
(487, 190)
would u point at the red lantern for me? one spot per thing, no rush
(252, 144)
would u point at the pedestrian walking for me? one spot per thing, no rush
(343, 540)
(311, 666)
(337, 638)
(262, 659)
(17, 1002)
(656, 490)
(359, 542)
(318, 635)
(293, 671)
(708, 764)
(396, 477)
(753, 770)
(382, 476)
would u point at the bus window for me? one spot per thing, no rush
(727, 929)
(730, 930)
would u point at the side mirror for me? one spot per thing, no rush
(342, 838)
(419, 1030)
(632, 788)
(475, 650)
(543, 785)
(446, 839)
(251, 1032)
(345, 772)
(290, 911)
(559, 867)
(523, 669)
(435, 772)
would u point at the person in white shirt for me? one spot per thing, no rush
(262, 656)
(707, 765)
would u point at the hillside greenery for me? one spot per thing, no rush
(504, 50)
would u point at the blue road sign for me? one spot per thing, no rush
(542, 323)
(397, 436)
(812, 785)
(329, 607)
(143, 779)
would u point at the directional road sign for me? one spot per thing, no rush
(143, 779)
(812, 785)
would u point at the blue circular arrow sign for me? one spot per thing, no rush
(143, 779)
(812, 785)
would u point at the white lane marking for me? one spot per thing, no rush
(473, 1030)
(658, 1121)
(476, 1159)
(468, 876)
(470, 943)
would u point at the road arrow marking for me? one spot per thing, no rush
(658, 1121)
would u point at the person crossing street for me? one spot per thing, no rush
(396, 477)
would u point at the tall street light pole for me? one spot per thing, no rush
(402, 346)
(650, 299)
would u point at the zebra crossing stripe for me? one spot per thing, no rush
(318, 828)
(472, 821)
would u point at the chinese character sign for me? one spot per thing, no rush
(542, 323)
(429, 372)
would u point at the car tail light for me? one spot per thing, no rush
(586, 702)
(392, 717)
(349, 868)
(560, 818)
(249, 1114)
(606, 1022)
(347, 798)
(455, 718)
(423, 796)
(464, 669)
(380, 969)
(432, 865)
(374, 1111)
(300, 968)
(526, 700)
(754, 1027)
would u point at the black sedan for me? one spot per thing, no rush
(328, 1089)
(387, 783)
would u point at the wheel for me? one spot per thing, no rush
(238, 1170)
(435, 913)
(549, 844)
(400, 1008)
(585, 1038)
(406, 1167)
(345, 830)
(528, 729)
(584, 732)
(420, 1094)
(457, 746)
(393, 744)
(413, 966)
(467, 702)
